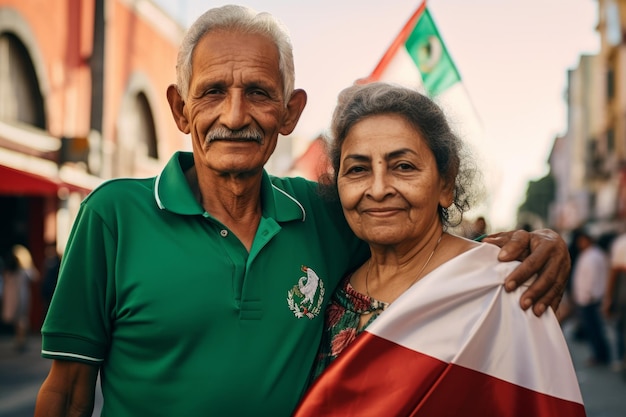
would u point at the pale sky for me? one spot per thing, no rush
(513, 56)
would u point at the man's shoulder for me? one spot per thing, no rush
(298, 188)
(293, 182)
(119, 189)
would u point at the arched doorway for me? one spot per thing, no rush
(26, 202)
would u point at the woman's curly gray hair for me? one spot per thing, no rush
(358, 102)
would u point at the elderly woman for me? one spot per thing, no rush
(424, 327)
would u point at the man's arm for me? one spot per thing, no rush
(542, 252)
(68, 391)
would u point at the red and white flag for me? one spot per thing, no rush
(454, 344)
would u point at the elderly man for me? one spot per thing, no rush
(201, 291)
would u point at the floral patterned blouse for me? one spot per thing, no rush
(341, 325)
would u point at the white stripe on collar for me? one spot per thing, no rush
(156, 192)
(294, 200)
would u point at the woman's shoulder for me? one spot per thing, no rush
(457, 245)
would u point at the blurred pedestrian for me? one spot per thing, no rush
(18, 274)
(567, 307)
(588, 286)
(614, 303)
(51, 266)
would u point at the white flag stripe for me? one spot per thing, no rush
(470, 320)
(461, 114)
(402, 70)
(454, 101)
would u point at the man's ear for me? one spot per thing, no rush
(177, 106)
(294, 110)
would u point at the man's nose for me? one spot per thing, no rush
(235, 113)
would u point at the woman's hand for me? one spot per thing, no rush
(542, 252)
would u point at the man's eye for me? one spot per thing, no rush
(259, 93)
(212, 91)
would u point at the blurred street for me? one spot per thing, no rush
(604, 391)
(21, 375)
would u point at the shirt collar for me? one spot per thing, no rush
(172, 193)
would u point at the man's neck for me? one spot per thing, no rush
(233, 199)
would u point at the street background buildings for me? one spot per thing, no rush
(82, 100)
(588, 162)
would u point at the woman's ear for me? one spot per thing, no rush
(177, 106)
(446, 196)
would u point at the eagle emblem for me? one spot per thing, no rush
(307, 297)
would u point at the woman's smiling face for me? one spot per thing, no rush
(388, 182)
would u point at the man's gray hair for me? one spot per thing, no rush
(238, 19)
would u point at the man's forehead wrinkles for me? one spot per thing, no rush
(240, 77)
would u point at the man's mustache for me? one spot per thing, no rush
(224, 133)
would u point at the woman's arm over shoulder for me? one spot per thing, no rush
(68, 391)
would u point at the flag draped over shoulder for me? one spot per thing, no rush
(454, 344)
(418, 58)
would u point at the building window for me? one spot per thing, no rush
(147, 130)
(20, 96)
(137, 135)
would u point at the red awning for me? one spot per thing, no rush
(23, 183)
(28, 167)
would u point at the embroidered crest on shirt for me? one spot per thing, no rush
(307, 297)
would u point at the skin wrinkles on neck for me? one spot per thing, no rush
(394, 269)
(233, 199)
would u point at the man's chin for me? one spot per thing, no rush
(244, 165)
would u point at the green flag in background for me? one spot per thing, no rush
(418, 58)
(427, 50)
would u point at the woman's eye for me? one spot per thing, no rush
(405, 167)
(355, 170)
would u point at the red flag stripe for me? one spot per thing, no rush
(370, 365)
(397, 43)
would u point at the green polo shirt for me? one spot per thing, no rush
(182, 319)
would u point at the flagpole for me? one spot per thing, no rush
(397, 43)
